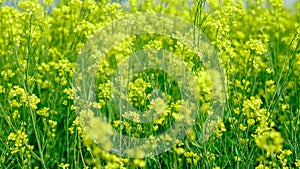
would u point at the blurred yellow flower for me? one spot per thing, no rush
(270, 141)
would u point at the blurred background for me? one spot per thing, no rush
(123, 2)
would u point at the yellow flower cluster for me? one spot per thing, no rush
(20, 144)
(270, 141)
(18, 96)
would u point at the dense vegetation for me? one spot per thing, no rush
(258, 47)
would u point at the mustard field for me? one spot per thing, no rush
(150, 84)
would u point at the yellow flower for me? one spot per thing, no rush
(64, 166)
(155, 127)
(237, 158)
(261, 166)
(43, 112)
(220, 129)
(33, 101)
(251, 122)
(242, 127)
(14, 103)
(179, 150)
(269, 71)
(297, 163)
(270, 141)
(2, 90)
(139, 162)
